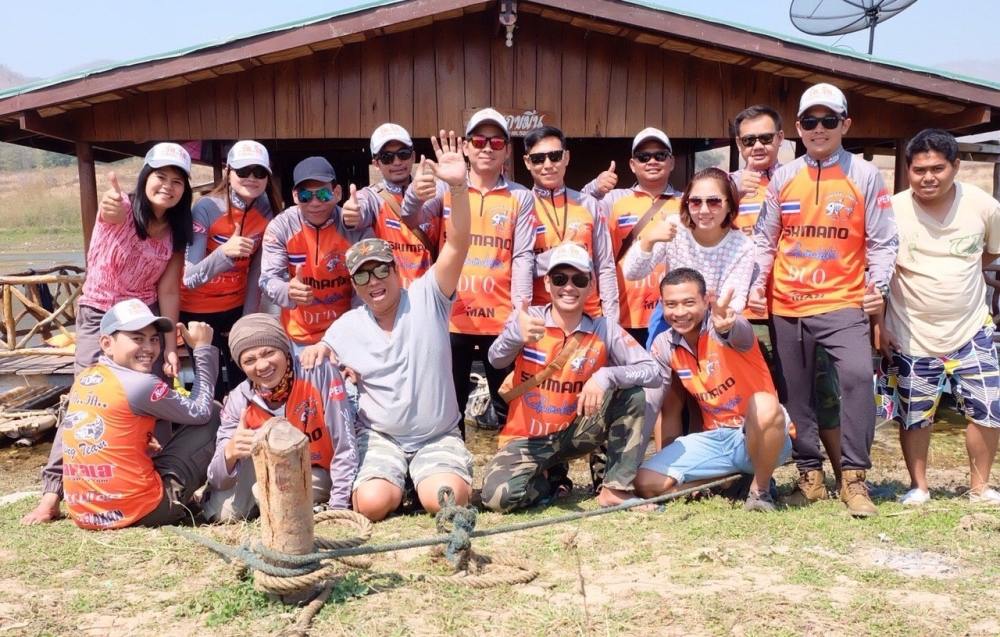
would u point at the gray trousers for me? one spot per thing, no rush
(239, 502)
(844, 334)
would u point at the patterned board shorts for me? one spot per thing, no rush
(910, 387)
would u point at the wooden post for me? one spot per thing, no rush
(284, 482)
(88, 190)
(996, 178)
(900, 181)
(217, 162)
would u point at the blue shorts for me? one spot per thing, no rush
(708, 454)
(910, 387)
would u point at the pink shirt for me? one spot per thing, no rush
(121, 266)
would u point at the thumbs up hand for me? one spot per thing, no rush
(607, 180)
(723, 316)
(532, 327)
(873, 301)
(424, 186)
(749, 183)
(237, 246)
(112, 206)
(298, 290)
(241, 444)
(350, 212)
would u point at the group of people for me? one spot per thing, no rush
(731, 324)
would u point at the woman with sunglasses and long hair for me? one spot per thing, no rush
(136, 251)
(222, 264)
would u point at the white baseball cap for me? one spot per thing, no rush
(823, 94)
(487, 115)
(168, 154)
(570, 254)
(131, 315)
(389, 133)
(651, 133)
(248, 153)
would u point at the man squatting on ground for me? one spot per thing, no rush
(399, 345)
(715, 355)
(937, 326)
(591, 393)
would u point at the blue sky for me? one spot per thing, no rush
(43, 39)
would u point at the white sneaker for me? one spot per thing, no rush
(915, 497)
(988, 496)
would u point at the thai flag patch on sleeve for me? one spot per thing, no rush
(534, 355)
(296, 259)
(393, 223)
(540, 230)
(790, 207)
(684, 374)
(627, 221)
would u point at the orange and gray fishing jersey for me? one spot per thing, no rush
(499, 267)
(109, 481)
(607, 353)
(317, 406)
(291, 243)
(626, 207)
(822, 224)
(750, 209)
(722, 375)
(568, 216)
(213, 282)
(412, 256)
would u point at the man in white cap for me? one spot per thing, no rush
(827, 216)
(499, 269)
(416, 247)
(577, 384)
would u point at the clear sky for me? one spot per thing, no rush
(47, 38)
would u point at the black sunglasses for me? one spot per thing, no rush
(749, 141)
(257, 171)
(644, 156)
(555, 156)
(389, 156)
(380, 271)
(580, 280)
(829, 122)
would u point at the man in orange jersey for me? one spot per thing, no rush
(566, 403)
(827, 216)
(630, 212)
(567, 216)
(759, 135)
(302, 267)
(499, 268)
(714, 354)
(416, 247)
(115, 473)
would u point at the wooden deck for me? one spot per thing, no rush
(36, 365)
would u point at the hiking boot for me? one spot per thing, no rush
(854, 494)
(759, 502)
(810, 488)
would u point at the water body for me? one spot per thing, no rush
(12, 261)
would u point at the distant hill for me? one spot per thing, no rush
(10, 78)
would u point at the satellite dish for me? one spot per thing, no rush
(838, 17)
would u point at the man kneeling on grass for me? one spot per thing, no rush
(109, 478)
(714, 353)
(577, 383)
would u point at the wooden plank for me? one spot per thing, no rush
(349, 67)
(549, 79)
(654, 92)
(178, 126)
(103, 97)
(164, 84)
(311, 96)
(374, 85)
(195, 131)
(286, 55)
(202, 95)
(226, 108)
(501, 73)
(598, 84)
(477, 60)
(618, 93)
(106, 121)
(400, 78)
(157, 116)
(709, 105)
(331, 91)
(197, 76)
(525, 59)
(126, 115)
(425, 118)
(262, 81)
(688, 89)
(287, 107)
(573, 118)
(635, 100)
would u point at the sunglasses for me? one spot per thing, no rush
(695, 203)
(580, 280)
(480, 141)
(829, 122)
(644, 156)
(322, 194)
(749, 141)
(255, 171)
(389, 156)
(554, 156)
(363, 277)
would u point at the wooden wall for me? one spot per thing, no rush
(593, 84)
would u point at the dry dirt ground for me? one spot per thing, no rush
(694, 568)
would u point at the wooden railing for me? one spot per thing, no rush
(39, 304)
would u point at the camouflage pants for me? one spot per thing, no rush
(515, 477)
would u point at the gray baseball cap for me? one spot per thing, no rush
(313, 169)
(131, 315)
